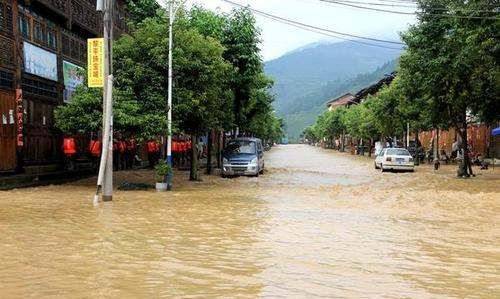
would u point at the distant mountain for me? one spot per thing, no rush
(309, 76)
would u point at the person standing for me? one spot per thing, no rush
(153, 153)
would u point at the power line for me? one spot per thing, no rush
(345, 3)
(407, 5)
(400, 4)
(331, 35)
(316, 29)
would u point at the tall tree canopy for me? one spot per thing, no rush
(453, 64)
(212, 76)
(140, 10)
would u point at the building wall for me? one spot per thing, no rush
(60, 27)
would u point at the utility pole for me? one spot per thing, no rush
(407, 135)
(169, 104)
(106, 170)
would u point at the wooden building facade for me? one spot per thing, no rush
(38, 39)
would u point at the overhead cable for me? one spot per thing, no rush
(316, 28)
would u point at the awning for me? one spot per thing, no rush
(495, 132)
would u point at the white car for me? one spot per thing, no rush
(394, 159)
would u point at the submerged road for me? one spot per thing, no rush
(318, 224)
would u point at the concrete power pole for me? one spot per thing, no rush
(107, 180)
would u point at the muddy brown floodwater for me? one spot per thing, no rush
(318, 224)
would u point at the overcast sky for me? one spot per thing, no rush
(278, 38)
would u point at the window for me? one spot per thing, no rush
(24, 27)
(83, 51)
(6, 80)
(241, 147)
(51, 39)
(66, 48)
(41, 88)
(397, 152)
(5, 18)
(6, 52)
(39, 33)
(75, 49)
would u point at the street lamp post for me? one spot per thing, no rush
(169, 103)
(171, 15)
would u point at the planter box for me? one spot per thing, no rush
(161, 187)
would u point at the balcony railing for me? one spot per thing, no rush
(60, 6)
(84, 15)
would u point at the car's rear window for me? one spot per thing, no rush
(398, 152)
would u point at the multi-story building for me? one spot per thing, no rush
(42, 47)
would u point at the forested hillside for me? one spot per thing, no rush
(307, 77)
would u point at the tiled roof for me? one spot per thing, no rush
(341, 101)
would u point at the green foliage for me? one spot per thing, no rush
(385, 109)
(360, 121)
(84, 113)
(248, 88)
(241, 39)
(302, 108)
(161, 170)
(452, 64)
(217, 73)
(449, 76)
(310, 134)
(142, 9)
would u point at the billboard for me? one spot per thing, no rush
(40, 62)
(95, 54)
(73, 76)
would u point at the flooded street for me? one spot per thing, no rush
(318, 224)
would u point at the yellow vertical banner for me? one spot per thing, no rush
(95, 57)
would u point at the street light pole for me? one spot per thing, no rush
(169, 104)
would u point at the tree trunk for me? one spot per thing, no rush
(435, 149)
(342, 146)
(370, 148)
(465, 167)
(209, 153)
(193, 174)
(418, 148)
(219, 149)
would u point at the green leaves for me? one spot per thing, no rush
(218, 78)
(453, 64)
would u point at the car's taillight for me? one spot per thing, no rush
(388, 159)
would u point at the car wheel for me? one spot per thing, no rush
(376, 167)
(382, 168)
